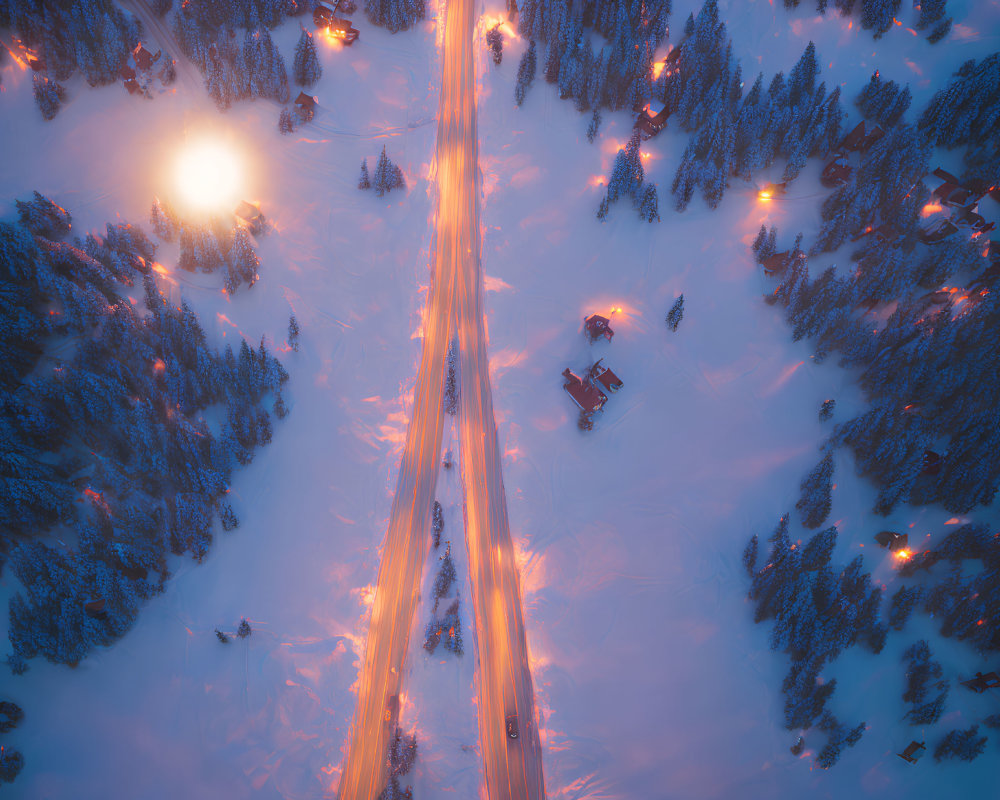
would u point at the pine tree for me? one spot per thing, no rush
(286, 122)
(903, 602)
(364, 182)
(815, 500)
(242, 259)
(676, 313)
(222, 637)
(48, 95)
(293, 333)
(750, 556)
(243, 631)
(494, 40)
(525, 72)
(306, 68)
(228, 517)
(445, 576)
(451, 379)
(965, 745)
(602, 210)
(437, 523)
(595, 124)
(649, 205)
(162, 220)
(826, 410)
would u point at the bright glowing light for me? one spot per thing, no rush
(208, 176)
(765, 194)
(931, 208)
(902, 555)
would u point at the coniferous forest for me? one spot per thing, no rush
(110, 463)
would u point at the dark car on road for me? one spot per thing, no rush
(512, 731)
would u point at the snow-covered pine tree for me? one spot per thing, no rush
(595, 124)
(437, 523)
(293, 333)
(243, 631)
(242, 258)
(649, 205)
(364, 181)
(306, 68)
(48, 95)
(965, 745)
(676, 313)
(494, 40)
(815, 500)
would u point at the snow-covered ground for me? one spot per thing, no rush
(652, 680)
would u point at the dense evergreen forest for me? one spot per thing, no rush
(109, 461)
(916, 318)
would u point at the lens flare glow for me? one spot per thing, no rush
(209, 176)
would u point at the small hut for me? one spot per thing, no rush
(912, 752)
(306, 105)
(251, 215)
(587, 396)
(597, 326)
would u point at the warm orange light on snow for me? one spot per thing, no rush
(208, 176)
(658, 68)
(902, 555)
(765, 194)
(931, 208)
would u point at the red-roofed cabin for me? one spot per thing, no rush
(862, 137)
(836, 172)
(587, 396)
(143, 58)
(946, 176)
(305, 105)
(912, 752)
(36, 64)
(597, 326)
(981, 682)
(126, 72)
(777, 263)
(132, 86)
(894, 541)
(937, 232)
(599, 374)
(968, 218)
(651, 121)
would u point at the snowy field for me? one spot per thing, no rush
(652, 680)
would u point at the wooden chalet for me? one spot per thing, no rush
(836, 172)
(306, 105)
(251, 215)
(912, 752)
(863, 136)
(126, 72)
(981, 682)
(326, 18)
(777, 263)
(143, 58)
(968, 217)
(651, 120)
(771, 190)
(585, 394)
(597, 326)
(946, 176)
(892, 540)
(601, 376)
(132, 86)
(937, 232)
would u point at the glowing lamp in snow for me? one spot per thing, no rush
(208, 176)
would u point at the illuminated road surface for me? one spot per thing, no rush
(512, 766)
